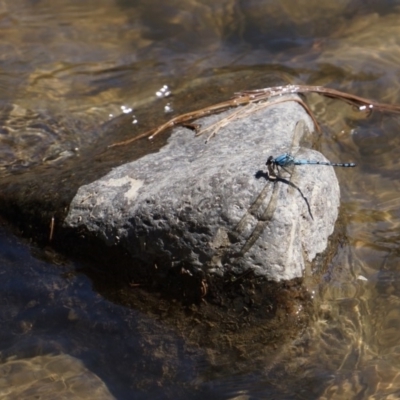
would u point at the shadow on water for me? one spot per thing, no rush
(53, 321)
(50, 309)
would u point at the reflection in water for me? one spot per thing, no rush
(66, 67)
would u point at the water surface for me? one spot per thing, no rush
(69, 67)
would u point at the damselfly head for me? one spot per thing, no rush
(271, 168)
(270, 160)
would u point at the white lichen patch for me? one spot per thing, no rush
(131, 193)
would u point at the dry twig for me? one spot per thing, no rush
(262, 98)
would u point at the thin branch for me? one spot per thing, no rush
(260, 97)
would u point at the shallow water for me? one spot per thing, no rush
(69, 67)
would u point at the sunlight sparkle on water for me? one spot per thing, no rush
(126, 110)
(163, 92)
(168, 108)
(363, 108)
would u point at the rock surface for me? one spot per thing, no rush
(208, 206)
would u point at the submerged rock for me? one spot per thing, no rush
(209, 209)
(50, 376)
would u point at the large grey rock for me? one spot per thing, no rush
(199, 204)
